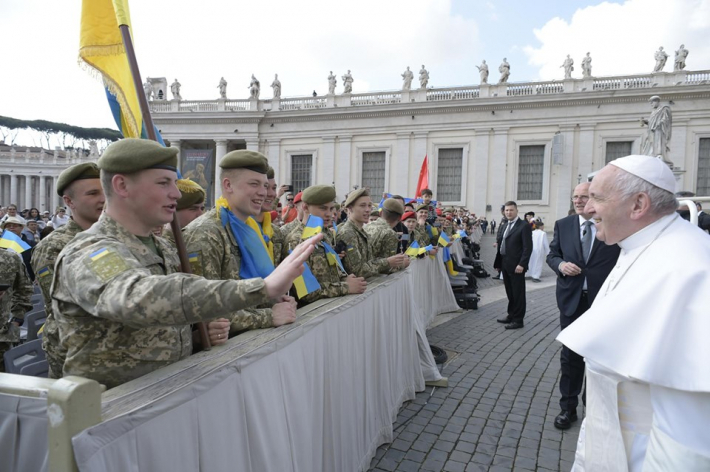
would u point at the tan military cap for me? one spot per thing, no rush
(131, 155)
(319, 194)
(393, 205)
(354, 195)
(87, 170)
(191, 194)
(423, 206)
(245, 159)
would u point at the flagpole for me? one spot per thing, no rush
(150, 130)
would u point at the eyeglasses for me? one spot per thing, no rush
(289, 199)
(582, 198)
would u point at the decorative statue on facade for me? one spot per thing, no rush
(254, 88)
(348, 83)
(587, 66)
(483, 70)
(408, 76)
(222, 88)
(680, 56)
(656, 140)
(504, 70)
(332, 82)
(423, 77)
(148, 89)
(568, 65)
(276, 85)
(175, 90)
(661, 58)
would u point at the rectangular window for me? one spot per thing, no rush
(531, 164)
(617, 149)
(448, 176)
(373, 172)
(301, 166)
(703, 184)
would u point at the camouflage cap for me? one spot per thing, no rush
(191, 194)
(270, 174)
(423, 206)
(245, 159)
(408, 215)
(86, 170)
(131, 155)
(354, 195)
(319, 194)
(393, 205)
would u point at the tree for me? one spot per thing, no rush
(63, 131)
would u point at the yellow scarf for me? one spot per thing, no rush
(251, 222)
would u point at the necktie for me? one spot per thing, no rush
(587, 239)
(508, 227)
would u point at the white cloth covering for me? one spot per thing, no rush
(645, 343)
(541, 248)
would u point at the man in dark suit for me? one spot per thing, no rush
(514, 246)
(582, 263)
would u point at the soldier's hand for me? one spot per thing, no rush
(356, 284)
(218, 331)
(397, 261)
(284, 274)
(284, 312)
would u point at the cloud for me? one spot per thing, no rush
(623, 38)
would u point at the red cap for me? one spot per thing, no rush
(438, 212)
(274, 215)
(450, 218)
(297, 198)
(408, 215)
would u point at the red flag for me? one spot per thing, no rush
(423, 177)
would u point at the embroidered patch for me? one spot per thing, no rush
(195, 259)
(349, 248)
(106, 264)
(45, 279)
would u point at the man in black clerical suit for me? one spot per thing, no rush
(582, 263)
(514, 246)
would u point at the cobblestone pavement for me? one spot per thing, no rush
(497, 413)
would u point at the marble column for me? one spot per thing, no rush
(343, 184)
(13, 190)
(221, 150)
(562, 190)
(479, 182)
(586, 150)
(176, 143)
(399, 167)
(253, 144)
(42, 205)
(327, 174)
(498, 189)
(28, 192)
(274, 157)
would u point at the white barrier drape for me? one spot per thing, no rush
(23, 433)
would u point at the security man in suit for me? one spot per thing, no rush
(514, 246)
(582, 263)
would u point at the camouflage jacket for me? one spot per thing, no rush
(358, 257)
(288, 227)
(278, 241)
(383, 240)
(123, 311)
(420, 236)
(214, 254)
(43, 259)
(330, 277)
(16, 301)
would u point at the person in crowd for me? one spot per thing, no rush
(269, 232)
(120, 305)
(60, 218)
(513, 249)
(383, 240)
(541, 247)
(30, 233)
(374, 216)
(12, 213)
(80, 189)
(409, 219)
(644, 339)
(290, 212)
(427, 196)
(16, 226)
(36, 216)
(14, 301)
(484, 225)
(288, 226)
(529, 216)
(423, 222)
(493, 226)
(190, 205)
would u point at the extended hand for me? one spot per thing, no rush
(218, 331)
(284, 312)
(356, 284)
(284, 274)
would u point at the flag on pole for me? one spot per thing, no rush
(306, 283)
(423, 181)
(314, 226)
(13, 242)
(462, 233)
(333, 257)
(444, 239)
(413, 249)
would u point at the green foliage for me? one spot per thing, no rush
(50, 127)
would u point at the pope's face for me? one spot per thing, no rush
(245, 192)
(610, 211)
(360, 210)
(410, 223)
(324, 211)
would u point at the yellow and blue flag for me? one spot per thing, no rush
(306, 283)
(444, 239)
(413, 249)
(426, 249)
(434, 231)
(333, 257)
(13, 242)
(314, 226)
(462, 234)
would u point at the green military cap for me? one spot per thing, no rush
(245, 159)
(423, 206)
(87, 170)
(354, 195)
(337, 206)
(131, 155)
(270, 174)
(319, 194)
(375, 213)
(449, 210)
(393, 205)
(191, 194)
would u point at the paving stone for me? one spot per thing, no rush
(453, 466)
(415, 456)
(409, 466)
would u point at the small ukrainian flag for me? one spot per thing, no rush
(462, 234)
(306, 283)
(43, 272)
(426, 249)
(314, 226)
(444, 239)
(192, 257)
(413, 249)
(99, 254)
(13, 242)
(332, 256)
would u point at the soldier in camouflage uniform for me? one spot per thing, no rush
(212, 245)
(80, 188)
(319, 201)
(14, 302)
(271, 233)
(358, 257)
(190, 206)
(382, 237)
(121, 308)
(425, 227)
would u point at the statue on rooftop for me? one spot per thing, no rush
(148, 89)
(276, 85)
(423, 77)
(504, 69)
(348, 82)
(568, 65)
(175, 90)
(408, 76)
(656, 140)
(680, 56)
(332, 82)
(254, 88)
(222, 88)
(483, 70)
(661, 58)
(587, 66)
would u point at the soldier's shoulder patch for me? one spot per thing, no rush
(195, 259)
(106, 263)
(44, 275)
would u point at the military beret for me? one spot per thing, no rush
(245, 159)
(86, 170)
(423, 206)
(393, 205)
(408, 215)
(375, 213)
(337, 206)
(131, 155)
(298, 197)
(270, 174)
(12, 219)
(438, 212)
(319, 194)
(192, 194)
(354, 195)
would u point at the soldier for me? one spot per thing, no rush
(291, 225)
(80, 188)
(190, 206)
(358, 257)
(14, 299)
(319, 199)
(225, 241)
(120, 305)
(382, 237)
(432, 235)
(270, 233)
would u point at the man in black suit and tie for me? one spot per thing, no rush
(582, 263)
(514, 246)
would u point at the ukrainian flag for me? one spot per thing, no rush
(413, 249)
(462, 234)
(314, 226)
(306, 283)
(332, 256)
(444, 239)
(13, 242)
(426, 249)
(98, 254)
(434, 231)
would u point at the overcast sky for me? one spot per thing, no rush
(199, 42)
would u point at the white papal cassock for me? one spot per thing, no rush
(646, 342)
